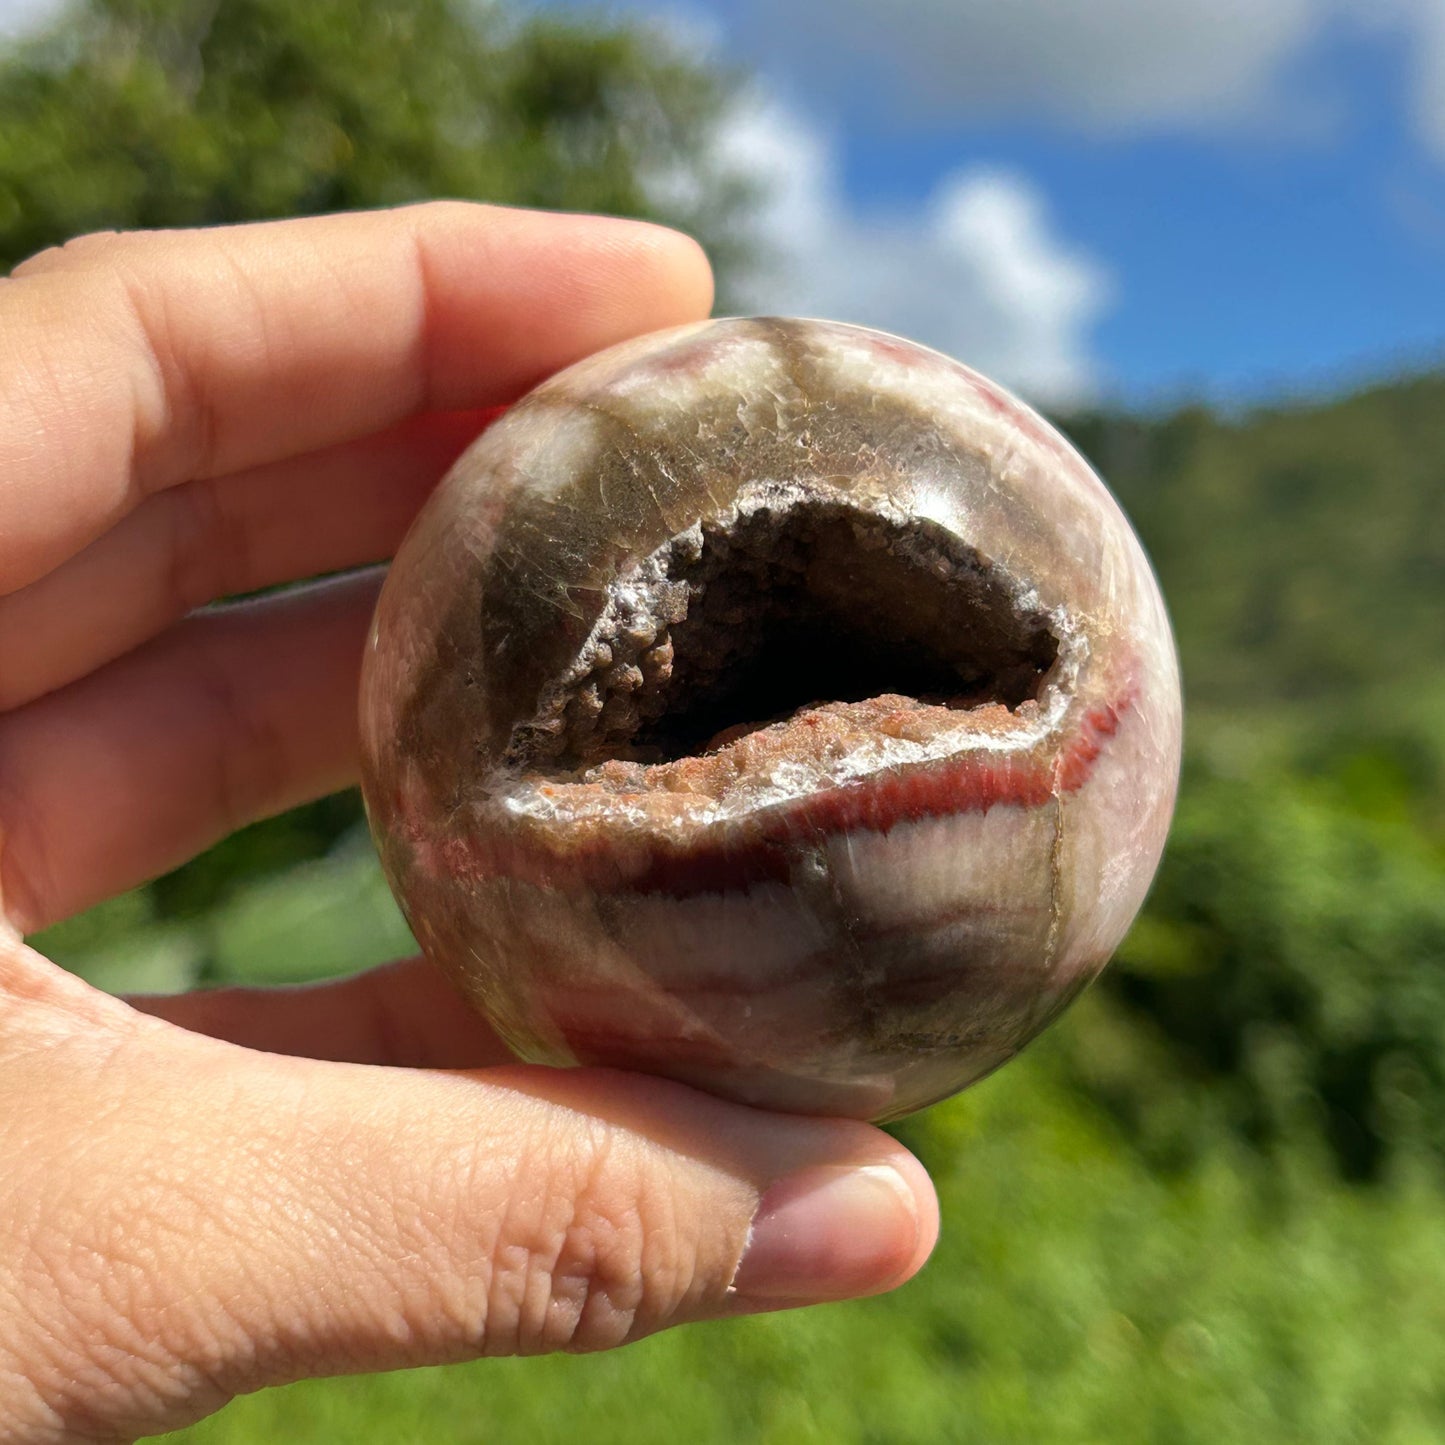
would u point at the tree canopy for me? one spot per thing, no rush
(144, 113)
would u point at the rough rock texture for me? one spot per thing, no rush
(776, 705)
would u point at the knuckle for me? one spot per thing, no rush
(208, 547)
(28, 878)
(600, 1256)
(442, 213)
(175, 412)
(94, 248)
(249, 773)
(126, 292)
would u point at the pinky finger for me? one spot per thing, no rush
(403, 1014)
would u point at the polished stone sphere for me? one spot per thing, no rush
(775, 705)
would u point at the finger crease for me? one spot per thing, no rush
(424, 361)
(178, 411)
(27, 878)
(251, 769)
(208, 548)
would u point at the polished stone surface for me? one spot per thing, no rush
(775, 705)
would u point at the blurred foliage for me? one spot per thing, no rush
(1290, 963)
(1293, 952)
(1302, 549)
(318, 917)
(194, 112)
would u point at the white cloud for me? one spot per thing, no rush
(1133, 67)
(1104, 64)
(1427, 19)
(978, 271)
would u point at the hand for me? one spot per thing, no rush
(204, 1195)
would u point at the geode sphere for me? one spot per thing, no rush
(775, 705)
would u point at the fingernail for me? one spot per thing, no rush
(829, 1233)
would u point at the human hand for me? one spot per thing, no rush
(205, 1195)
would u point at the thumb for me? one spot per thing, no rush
(231, 1219)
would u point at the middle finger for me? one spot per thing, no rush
(332, 510)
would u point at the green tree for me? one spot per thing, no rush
(1288, 971)
(1299, 547)
(194, 112)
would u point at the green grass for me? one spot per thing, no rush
(1077, 1296)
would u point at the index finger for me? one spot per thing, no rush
(130, 363)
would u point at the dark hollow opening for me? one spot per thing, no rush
(787, 609)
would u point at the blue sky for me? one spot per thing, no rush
(1132, 199)
(1135, 200)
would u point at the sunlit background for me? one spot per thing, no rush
(1209, 240)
